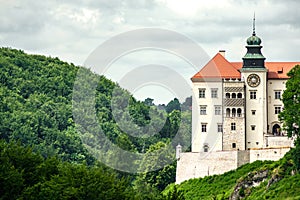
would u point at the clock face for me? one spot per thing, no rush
(253, 80)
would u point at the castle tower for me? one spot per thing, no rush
(255, 75)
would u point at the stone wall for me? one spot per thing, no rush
(237, 137)
(279, 141)
(194, 165)
(268, 154)
(243, 157)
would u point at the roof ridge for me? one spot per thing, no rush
(218, 66)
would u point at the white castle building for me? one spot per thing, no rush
(235, 113)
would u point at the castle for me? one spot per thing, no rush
(235, 113)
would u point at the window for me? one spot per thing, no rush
(253, 112)
(277, 109)
(233, 112)
(214, 93)
(276, 129)
(253, 127)
(217, 110)
(240, 95)
(277, 94)
(233, 95)
(220, 128)
(252, 94)
(203, 128)
(239, 112)
(205, 147)
(227, 112)
(227, 95)
(201, 92)
(233, 145)
(233, 128)
(202, 110)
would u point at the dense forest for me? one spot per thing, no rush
(42, 150)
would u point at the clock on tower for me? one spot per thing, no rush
(253, 80)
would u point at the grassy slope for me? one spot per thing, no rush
(222, 186)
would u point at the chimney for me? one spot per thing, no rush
(222, 52)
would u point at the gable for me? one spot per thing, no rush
(217, 68)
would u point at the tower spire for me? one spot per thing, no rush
(254, 25)
(253, 58)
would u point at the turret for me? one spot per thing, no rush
(253, 57)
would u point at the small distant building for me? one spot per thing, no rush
(235, 113)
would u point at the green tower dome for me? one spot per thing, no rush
(254, 58)
(253, 40)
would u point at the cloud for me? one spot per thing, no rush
(21, 17)
(71, 30)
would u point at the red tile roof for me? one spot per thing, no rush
(219, 67)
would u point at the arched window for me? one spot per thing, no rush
(233, 112)
(240, 95)
(233, 95)
(228, 112)
(227, 95)
(276, 129)
(239, 112)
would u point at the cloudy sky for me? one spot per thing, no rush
(73, 29)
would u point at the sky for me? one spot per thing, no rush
(72, 30)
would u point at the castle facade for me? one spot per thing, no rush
(235, 113)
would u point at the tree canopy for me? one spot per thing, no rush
(290, 116)
(36, 112)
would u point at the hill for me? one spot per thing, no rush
(36, 108)
(36, 99)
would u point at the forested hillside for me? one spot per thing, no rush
(37, 126)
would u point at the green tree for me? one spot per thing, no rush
(173, 105)
(27, 175)
(291, 98)
(149, 102)
(158, 166)
(187, 104)
(290, 116)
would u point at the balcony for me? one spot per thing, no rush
(238, 115)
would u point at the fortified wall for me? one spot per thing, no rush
(200, 164)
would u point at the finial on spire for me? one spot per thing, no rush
(254, 25)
